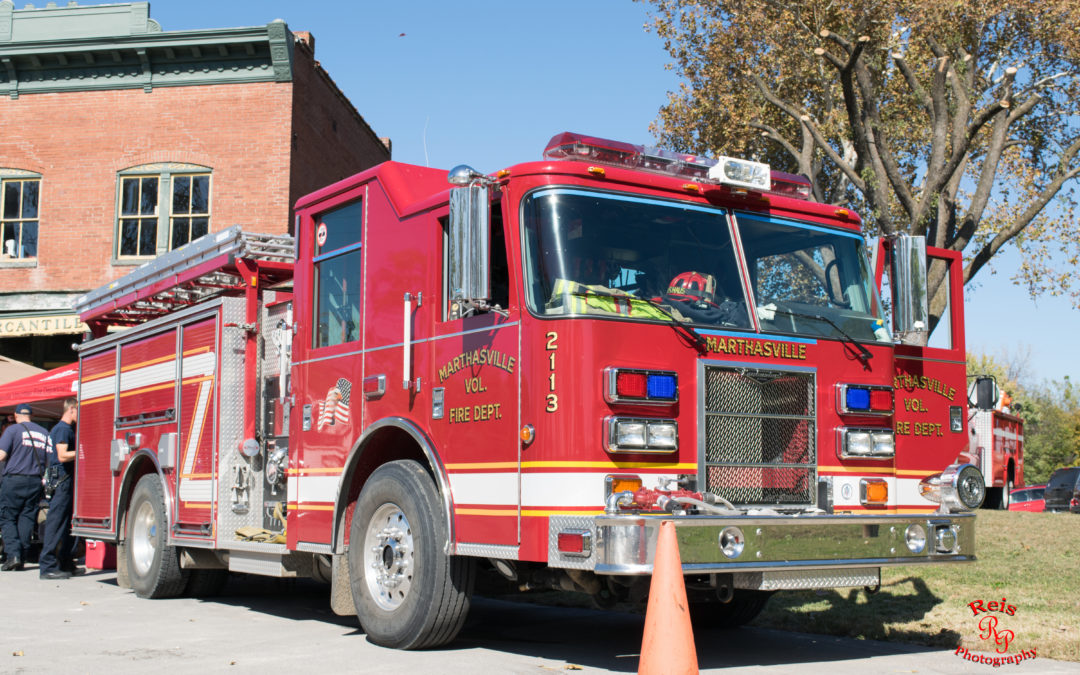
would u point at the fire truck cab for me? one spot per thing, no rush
(524, 374)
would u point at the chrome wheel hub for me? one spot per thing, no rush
(388, 557)
(143, 542)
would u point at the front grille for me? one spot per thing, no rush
(759, 433)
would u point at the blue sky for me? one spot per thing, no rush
(489, 83)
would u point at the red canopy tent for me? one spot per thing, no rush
(45, 392)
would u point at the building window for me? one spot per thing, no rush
(138, 215)
(19, 203)
(190, 209)
(150, 222)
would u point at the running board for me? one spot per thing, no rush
(270, 564)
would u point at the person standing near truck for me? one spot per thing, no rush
(58, 552)
(25, 445)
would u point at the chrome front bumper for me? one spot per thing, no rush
(627, 544)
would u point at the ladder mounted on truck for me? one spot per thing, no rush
(225, 262)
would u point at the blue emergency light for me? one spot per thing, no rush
(662, 387)
(857, 399)
(867, 399)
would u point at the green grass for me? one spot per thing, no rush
(1031, 559)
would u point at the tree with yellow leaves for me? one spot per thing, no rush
(952, 119)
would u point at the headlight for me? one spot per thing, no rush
(641, 435)
(629, 434)
(867, 443)
(663, 435)
(915, 538)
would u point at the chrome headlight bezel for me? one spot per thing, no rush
(960, 487)
(857, 443)
(640, 435)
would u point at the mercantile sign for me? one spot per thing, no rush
(45, 324)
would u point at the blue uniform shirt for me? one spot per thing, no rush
(62, 433)
(28, 448)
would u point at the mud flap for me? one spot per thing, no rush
(123, 579)
(341, 600)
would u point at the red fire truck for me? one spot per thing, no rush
(997, 442)
(521, 375)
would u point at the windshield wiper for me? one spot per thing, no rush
(863, 354)
(695, 338)
(688, 331)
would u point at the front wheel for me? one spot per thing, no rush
(409, 594)
(743, 608)
(1006, 495)
(153, 566)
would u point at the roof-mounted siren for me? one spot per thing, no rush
(730, 171)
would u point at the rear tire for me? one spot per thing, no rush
(153, 566)
(409, 594)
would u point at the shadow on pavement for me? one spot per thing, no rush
(612, 640)
(585, 637)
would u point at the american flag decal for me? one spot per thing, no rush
(335, 407)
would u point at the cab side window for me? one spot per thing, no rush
(500, 268)
(337, 264)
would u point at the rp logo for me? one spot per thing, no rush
(988, 630)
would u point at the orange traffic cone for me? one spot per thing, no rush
(668, 645)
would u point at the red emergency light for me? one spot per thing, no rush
(724, 170)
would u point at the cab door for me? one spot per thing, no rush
(326, 419)
(930, 418)
(476, 376)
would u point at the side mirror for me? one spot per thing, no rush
(986, 394)
(469, 274)
(909, 287)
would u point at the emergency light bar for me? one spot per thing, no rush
(723, 170)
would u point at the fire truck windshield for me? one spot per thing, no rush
(810, 280)
(616, 255)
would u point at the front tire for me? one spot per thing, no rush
(742, 609)
(409, 594)
(1006, 495)
(153, 567)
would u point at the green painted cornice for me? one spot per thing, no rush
(144, 57)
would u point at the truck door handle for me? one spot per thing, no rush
(374, 386)
(406, 361)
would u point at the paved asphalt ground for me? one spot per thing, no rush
(89, 625)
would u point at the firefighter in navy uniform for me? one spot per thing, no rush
(58, 553)
(25, 446)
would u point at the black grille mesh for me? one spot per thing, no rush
(760, 436)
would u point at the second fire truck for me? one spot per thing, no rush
(522, 375)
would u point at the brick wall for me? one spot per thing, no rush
(267, 145)
(330, 139)
(78, 141)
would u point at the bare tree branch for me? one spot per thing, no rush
(805, 120)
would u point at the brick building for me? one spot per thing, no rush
(120, 141)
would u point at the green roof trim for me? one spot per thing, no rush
(75, 48)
